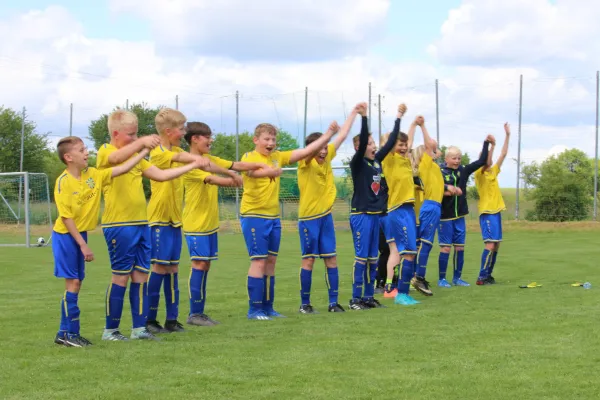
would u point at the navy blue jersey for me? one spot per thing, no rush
(370, 188)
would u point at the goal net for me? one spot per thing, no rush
(25, 210)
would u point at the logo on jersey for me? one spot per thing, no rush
(275, 164)
(376, 185)
(90, 183)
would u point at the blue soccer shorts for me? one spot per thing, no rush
(317, 237)
(166, 245)
(262, 236)
(452, 232)
(429, 218)
(128, 248)
(69, 262)
(203, 247)
(365, 234)
(491, 227)
(401, 227)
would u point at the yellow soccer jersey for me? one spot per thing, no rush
(419, 194)
(166, 203)
(431, 176)
(399, 176)
(261, 195)
(79, 199)
(201, 211)
(124, 199)
(490, 196)
(317, 188)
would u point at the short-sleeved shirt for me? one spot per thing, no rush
(399, 175)
(317, 187)
(166, 202)
(431, 176)
(124, 199)
(79, 199)
(490, 196)
(261, 195)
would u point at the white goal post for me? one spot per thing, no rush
(25, 209)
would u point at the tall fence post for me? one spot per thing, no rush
(437, 113)
(237, 148)
(305, 112)
(519, 148)
(177, 102)
(370, 115)
(596, 148)
(71, 120)
(379, 109)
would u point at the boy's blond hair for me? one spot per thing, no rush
(120, 118)
(416, 155)
(65, 145)
(453, 151)
(168, 118)
(265, 128)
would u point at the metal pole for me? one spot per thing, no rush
(596, 149)
(519, 147)
(26, 196)
(49, 209)
(237, 146)
(177, 102)
(127, 104)
(71, 120)
(21, 159)
(437, 113)
(305, 112)
(369, 107)
(379, 107)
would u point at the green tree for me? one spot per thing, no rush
(224, 145)
(561, 186)
(35, 145)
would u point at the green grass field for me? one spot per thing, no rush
(492, 342)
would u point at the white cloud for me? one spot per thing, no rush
(267, 29)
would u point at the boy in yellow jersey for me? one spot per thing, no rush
(400, 224)
(77, 196)
(201, 216)
(164, 217)
(491, 205)
(430, 212)
(125, 222)
(315, 222)
(259, 215)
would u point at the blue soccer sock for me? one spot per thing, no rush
(332, 278)
(115, 296)
(171, 289)
(486, 259)
(256, 290)
(197, 291)
(64, 323)
(269, 293)
(72, 313)
(305, 284)
(492, 263)
(407, 271)
(370, 278)
(422, 259)
(358, 281)
(459, 261)
(443, 264)
(138, 298)
(155, 281)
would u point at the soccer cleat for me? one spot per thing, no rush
(60, 338)
(358, 304)
(373, 303)
(173, 326)
(155, 327)
(482, 281)
(491, 280)
(200, 320)
(142, 334)
(405, 300)
(113, 336)
(87, 342)
(443, 283)
(259, 316)
(336, 308)
(75, 341)
(391, 294)
(274, 314)
(460, 282)
(421, 285)
(307, 309)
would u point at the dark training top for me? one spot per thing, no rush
(456, 206)
(370, 188)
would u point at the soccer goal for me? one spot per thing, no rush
(25, 209)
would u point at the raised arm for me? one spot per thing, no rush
(430, 144)
(343, 133)
(364, 133)
(311, 148)
(475, 165)
(161, 175)
(125, 153)
(490, 157)
(333, 129)
(129, 164)
(393, 138)
(411, 132)
(504, 150)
